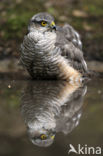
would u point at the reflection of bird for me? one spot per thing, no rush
(50, 107)
(52, 52)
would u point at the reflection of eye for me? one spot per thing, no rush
(43, 23)
(43, 136)
(52, 137)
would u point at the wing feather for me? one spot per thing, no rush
(70, 50)
(72, 35)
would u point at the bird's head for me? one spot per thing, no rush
(42, 22)
(43, 138)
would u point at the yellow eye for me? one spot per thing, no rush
(52, 137)
(43, 23)
(43, 136)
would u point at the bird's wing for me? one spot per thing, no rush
(70, 50)
(72, 35)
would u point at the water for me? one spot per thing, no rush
(45, 117)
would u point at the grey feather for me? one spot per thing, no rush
(44, 50)
(51, 106)
(69, 49)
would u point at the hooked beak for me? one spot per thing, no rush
(52, 25)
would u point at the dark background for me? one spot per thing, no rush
(86, 16)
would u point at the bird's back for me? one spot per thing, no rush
(71, 47)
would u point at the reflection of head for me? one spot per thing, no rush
(49, 107)
(42, 138)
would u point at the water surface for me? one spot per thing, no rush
(45, 117)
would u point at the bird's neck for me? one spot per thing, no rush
(43, 41)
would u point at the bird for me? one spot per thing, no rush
(51, 52)
(51, 107)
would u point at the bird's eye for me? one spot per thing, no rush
(43, 136)
(52, 137)
(43, 23)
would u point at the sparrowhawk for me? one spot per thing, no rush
(52, 52)
(49, 107)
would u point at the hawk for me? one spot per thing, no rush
(52, 52)
(50, 107)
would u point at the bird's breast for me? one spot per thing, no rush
(46, 42)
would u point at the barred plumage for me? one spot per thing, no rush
(49, 107)
(52, 54)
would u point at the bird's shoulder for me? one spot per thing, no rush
(68, 40)
(67, 34)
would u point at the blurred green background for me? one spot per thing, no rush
(86, 16)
